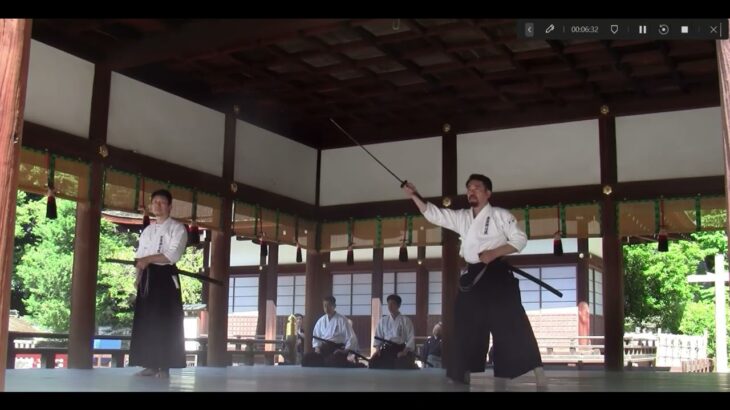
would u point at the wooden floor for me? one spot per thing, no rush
(295, 378)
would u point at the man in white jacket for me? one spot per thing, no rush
(399, 350)
(489, 297)
(334, 338)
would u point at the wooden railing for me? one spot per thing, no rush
(578, 351)
(589, 350)
(244, 350)
(698, 366)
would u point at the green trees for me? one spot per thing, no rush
(656, 290)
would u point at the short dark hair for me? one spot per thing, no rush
(162, 192)
(299, 315)
(479, 177)
(330, 299)
(396, 298)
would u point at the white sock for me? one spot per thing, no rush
(540, 376)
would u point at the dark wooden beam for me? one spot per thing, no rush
(212, 37)
(679, 187)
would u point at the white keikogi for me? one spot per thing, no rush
(397, 329)
(336, 329)
(168, 238)
(490, 229)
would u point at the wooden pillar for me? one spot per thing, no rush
(325, 288)
(421, 323)
(86, 240)
(450, 245)
(376, 295)
(723, 68)
(272, 274)
(312, 274)
(613, 294)
(206, 269)
(581, 278)
(262, 291)
(15, 52)
(312, 296)
(581, 284)
(220, 256)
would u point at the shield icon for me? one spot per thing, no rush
(614, 28)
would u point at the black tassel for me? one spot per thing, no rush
(194, 235)
(403, 254)
(350, 256)
(264, 249)
(145, 220)
(663, 241)
(299, 254)
(557, 245)
(51, 210)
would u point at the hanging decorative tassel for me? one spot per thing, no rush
(663, 241)
(350, 256)
(403, 253)
(194, 231)
(260, 235)
(557, 243)
(264, 249)
(193, 235)
(350, 252)
(663, 245)
(296, 239)
(51, 210)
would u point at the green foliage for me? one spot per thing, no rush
(655, 283)
(656, 290)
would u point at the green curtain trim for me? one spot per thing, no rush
(410, 230)
(378, 232)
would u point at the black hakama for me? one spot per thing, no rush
(493, 305)
(158, 334)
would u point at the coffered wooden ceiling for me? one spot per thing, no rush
(391, 79)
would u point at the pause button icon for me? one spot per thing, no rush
(642, 29)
